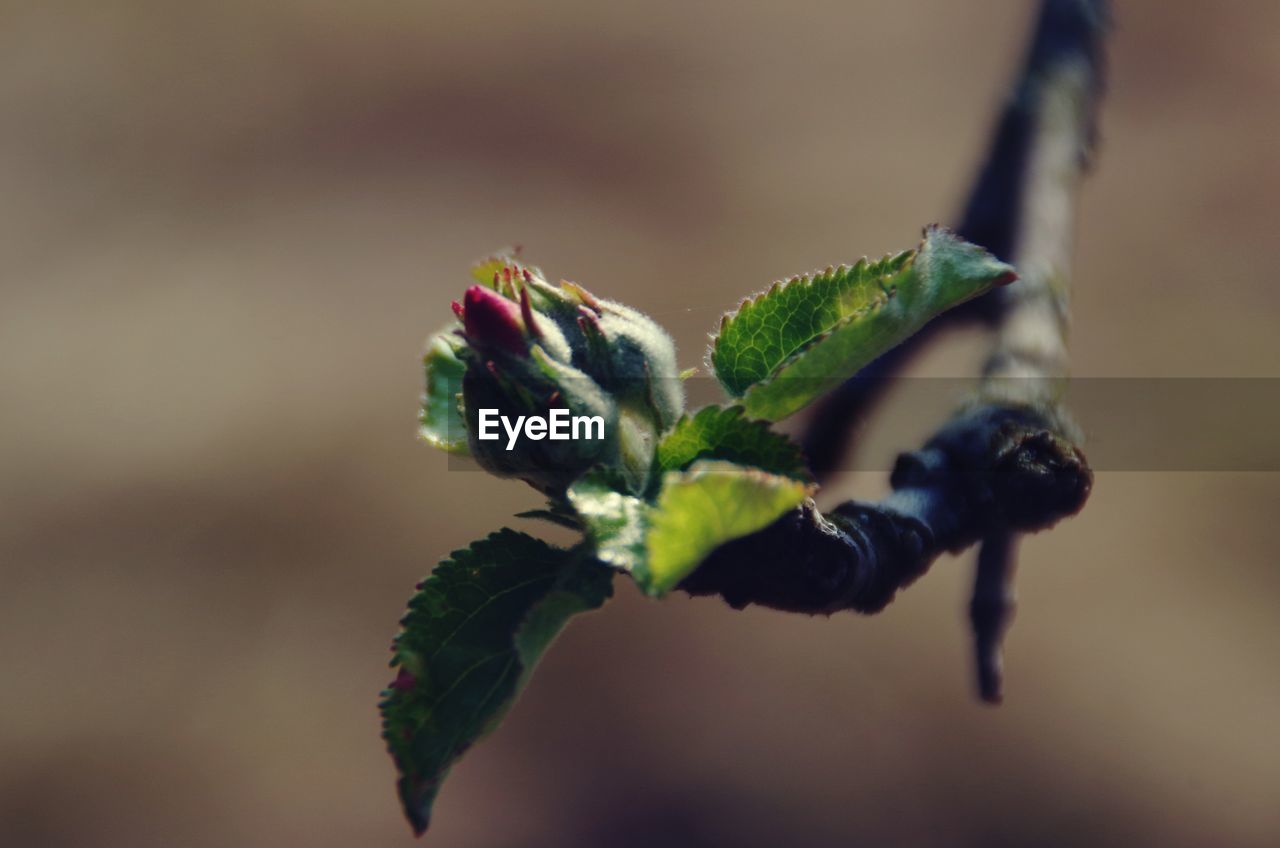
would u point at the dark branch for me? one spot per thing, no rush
(1008, 461)
(1066, 31)
(991, 609)
(991, 470)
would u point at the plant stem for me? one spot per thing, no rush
(1067, 33)
(1007, 462)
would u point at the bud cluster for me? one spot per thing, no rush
(532, 347)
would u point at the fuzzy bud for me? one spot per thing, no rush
(492, 321)
(533, 347)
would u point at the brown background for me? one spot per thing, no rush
(225, 230)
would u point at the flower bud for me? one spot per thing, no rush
(523, 390)
(624, 350)
(491, 321)
(643, 362)
(533, 347)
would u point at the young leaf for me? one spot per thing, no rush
(473, 633)
(615, 521)
(717, 432)
(440, 421)
(702, 508)
(484, 270)
(804, 337)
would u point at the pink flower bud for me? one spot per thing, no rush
(490, 320)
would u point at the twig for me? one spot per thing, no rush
(1065, 33)
(1007, 462)
(991, 609)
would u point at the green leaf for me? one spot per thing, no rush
(802, 338)
(726, 433)
(615, 521)
(473, 633)
(440, 422)
(702, 508)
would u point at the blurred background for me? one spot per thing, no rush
(225, 231)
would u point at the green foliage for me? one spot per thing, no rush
(802, 338)
(655, 497)
(702, 508)
(717, 432)
(440, 421)
(616, 522)
(474, 631)
(661, 541)
(527, 347)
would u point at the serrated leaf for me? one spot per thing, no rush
(473, 633)
(717, 432)
(804, 337)
(440, 422)
(702, 508)
(615, 521)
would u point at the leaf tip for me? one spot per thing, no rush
(417, 798)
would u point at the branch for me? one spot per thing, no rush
(991, 469)
(1065, 33)
(1008, 461)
